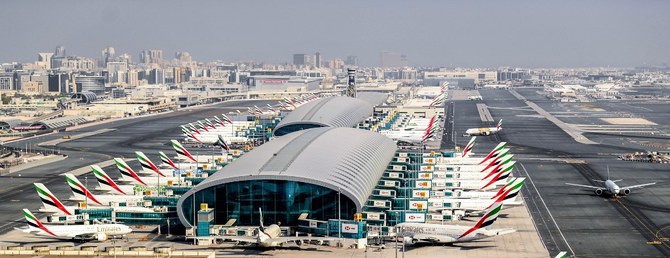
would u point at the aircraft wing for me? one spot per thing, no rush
(243, 239)
(433, 238)
(585, 186)
(638, 186)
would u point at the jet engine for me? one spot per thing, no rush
(599, 192)
(101, 237)
(409, 240)
(626, 191)
(298, 242)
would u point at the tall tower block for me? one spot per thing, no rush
(351, 88)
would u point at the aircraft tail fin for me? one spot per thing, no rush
(127, 171)
(34, 223)
(468, 148)
(49, 201)
(222, 143)
(182, 151)
(487, 220)
(79, 190)
(147, 164)
(494, 152)
(165, 159)
(499, 125)
(104, 180)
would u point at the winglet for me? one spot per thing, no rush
(182, 151)
(48, 199)
(104, 179)
(499, 125)
(147, 164)
(34, 222)
(165, 159)
(487, 220)
(79, 190)
(127, 171)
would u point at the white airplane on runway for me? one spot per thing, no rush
(271, 236)
(99, 232)
(413, 233)
(484, 131)
(610, 187)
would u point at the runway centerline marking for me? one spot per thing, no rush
(547, 208)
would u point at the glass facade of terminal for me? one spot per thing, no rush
(284, 130)
(281, 201)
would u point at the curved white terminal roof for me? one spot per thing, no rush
(345, 159)
(336, 111)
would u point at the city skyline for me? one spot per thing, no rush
(473, 34)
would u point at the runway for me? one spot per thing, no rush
(570, 219)
(147, 134)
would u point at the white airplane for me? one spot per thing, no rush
(99, 232)
(475, 97)
(484, 131)
(213, 138)
(129, 175)
(81, 193)
(106, 183)
(271, 236)
(610, 187)
(413, 233)
(51, 204)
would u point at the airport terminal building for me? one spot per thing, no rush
(312, 171)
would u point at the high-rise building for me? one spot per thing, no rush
(45, 58)
(95, 84)
(107, 55)
(391, 59)
(60, 51)
(299, 59)
(151, 56)
(317, 60)
(6, 81)
(125, 57)
(156, 76)
(352, 61)
(58, 82)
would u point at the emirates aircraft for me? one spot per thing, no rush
(413, 233)
(484, 131)
(99, 232)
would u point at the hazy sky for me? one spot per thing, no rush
(526, 33)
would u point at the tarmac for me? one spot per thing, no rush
(570, 219)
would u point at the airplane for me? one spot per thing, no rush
(610, 187)
(129, 175)
(81, 193)
(99, 232)
(147, 165)
(468, 148)
(413, 233)
(51, 204)
(271, 236)
(475, 97)
(106, 183)
(484, 131)
(214, 138)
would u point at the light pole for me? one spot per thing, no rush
(339, 215)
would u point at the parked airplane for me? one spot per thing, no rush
(99, 232)
(51, 204)
(81, 193)
(413, 233)
(484, 131)
(610, 187)
(271, 236)
(129, 175)
(106, 183)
